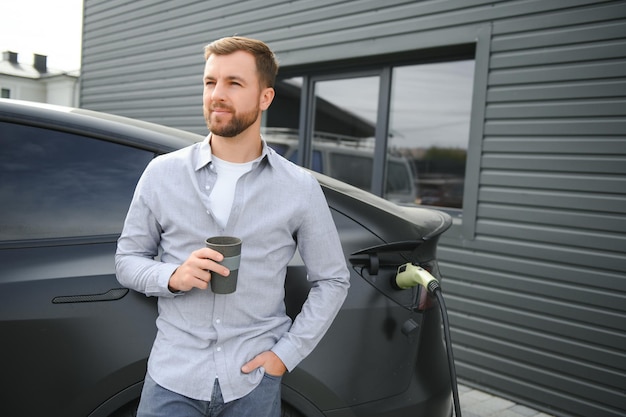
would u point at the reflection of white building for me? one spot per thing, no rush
(37, 82)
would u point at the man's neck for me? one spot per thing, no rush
(245, 147)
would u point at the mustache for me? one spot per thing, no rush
(221, 106)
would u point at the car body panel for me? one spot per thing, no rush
(75, 343)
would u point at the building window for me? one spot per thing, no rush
(413, 151)
(429, 126)
(6, 93)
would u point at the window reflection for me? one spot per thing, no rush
(345, 126)
(54, 184)
(281, 122)
(284, 113)
(346, 110)
(429, 126)
(430, 107)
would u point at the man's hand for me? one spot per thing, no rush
(269, 361)
(195, 272)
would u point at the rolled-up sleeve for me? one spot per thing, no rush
(138, 246)
(320, 249)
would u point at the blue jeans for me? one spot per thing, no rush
(263, 401)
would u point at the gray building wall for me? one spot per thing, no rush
(535, 267)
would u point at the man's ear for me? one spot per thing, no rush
(267, 96)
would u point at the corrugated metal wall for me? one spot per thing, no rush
(536, 267)
(538, 295)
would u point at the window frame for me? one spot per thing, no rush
(473, 43)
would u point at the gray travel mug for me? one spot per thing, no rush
(230, 247)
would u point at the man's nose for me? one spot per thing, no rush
(218, 92)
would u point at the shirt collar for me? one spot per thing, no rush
(205, 155)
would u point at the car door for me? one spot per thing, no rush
(71, 336)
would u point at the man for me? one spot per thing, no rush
(224, 354)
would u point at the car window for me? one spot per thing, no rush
(318, 162)
(294, 156)
(353, 169)
(57, 185)
(399, 178)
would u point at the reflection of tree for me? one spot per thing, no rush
(440, 174)
(435, 160)
(435, 152)
(443, 161)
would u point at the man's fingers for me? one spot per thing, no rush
(196, 271)
(207, 253)
(208, 259)
(272, 364)
(252, 365)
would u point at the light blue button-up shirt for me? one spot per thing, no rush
(278, 207)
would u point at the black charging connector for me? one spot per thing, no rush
(410, 275)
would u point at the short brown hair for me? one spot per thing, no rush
(266, 63)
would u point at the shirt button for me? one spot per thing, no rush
(219, 349)
(218, 321)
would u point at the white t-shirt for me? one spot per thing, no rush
(221, 199)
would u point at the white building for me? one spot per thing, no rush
(37, 82)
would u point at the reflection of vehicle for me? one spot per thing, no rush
(76, 344)
(348, 160)
(441, 191)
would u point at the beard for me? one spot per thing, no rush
(238, 123)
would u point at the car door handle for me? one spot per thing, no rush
(111, 295)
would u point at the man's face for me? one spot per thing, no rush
(232, 98)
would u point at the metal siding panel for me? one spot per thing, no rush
(547, 252)
(561, 54)
(556, 163)
(564, 237)
(568, 334)
(556, 182)
(607, 126)
(556, 145)
(533, 349)
(521, 279)
(563, 72)
(545, 110)
(560, 36)
(558, 91)
(538, 385)
(575, 318)
(550, 217)
(549, 234)
(609, 204)
(561, 17)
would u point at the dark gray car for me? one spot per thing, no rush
(75, 343)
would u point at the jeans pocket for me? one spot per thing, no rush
(272, 377)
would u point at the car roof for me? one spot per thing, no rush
(119, 129)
